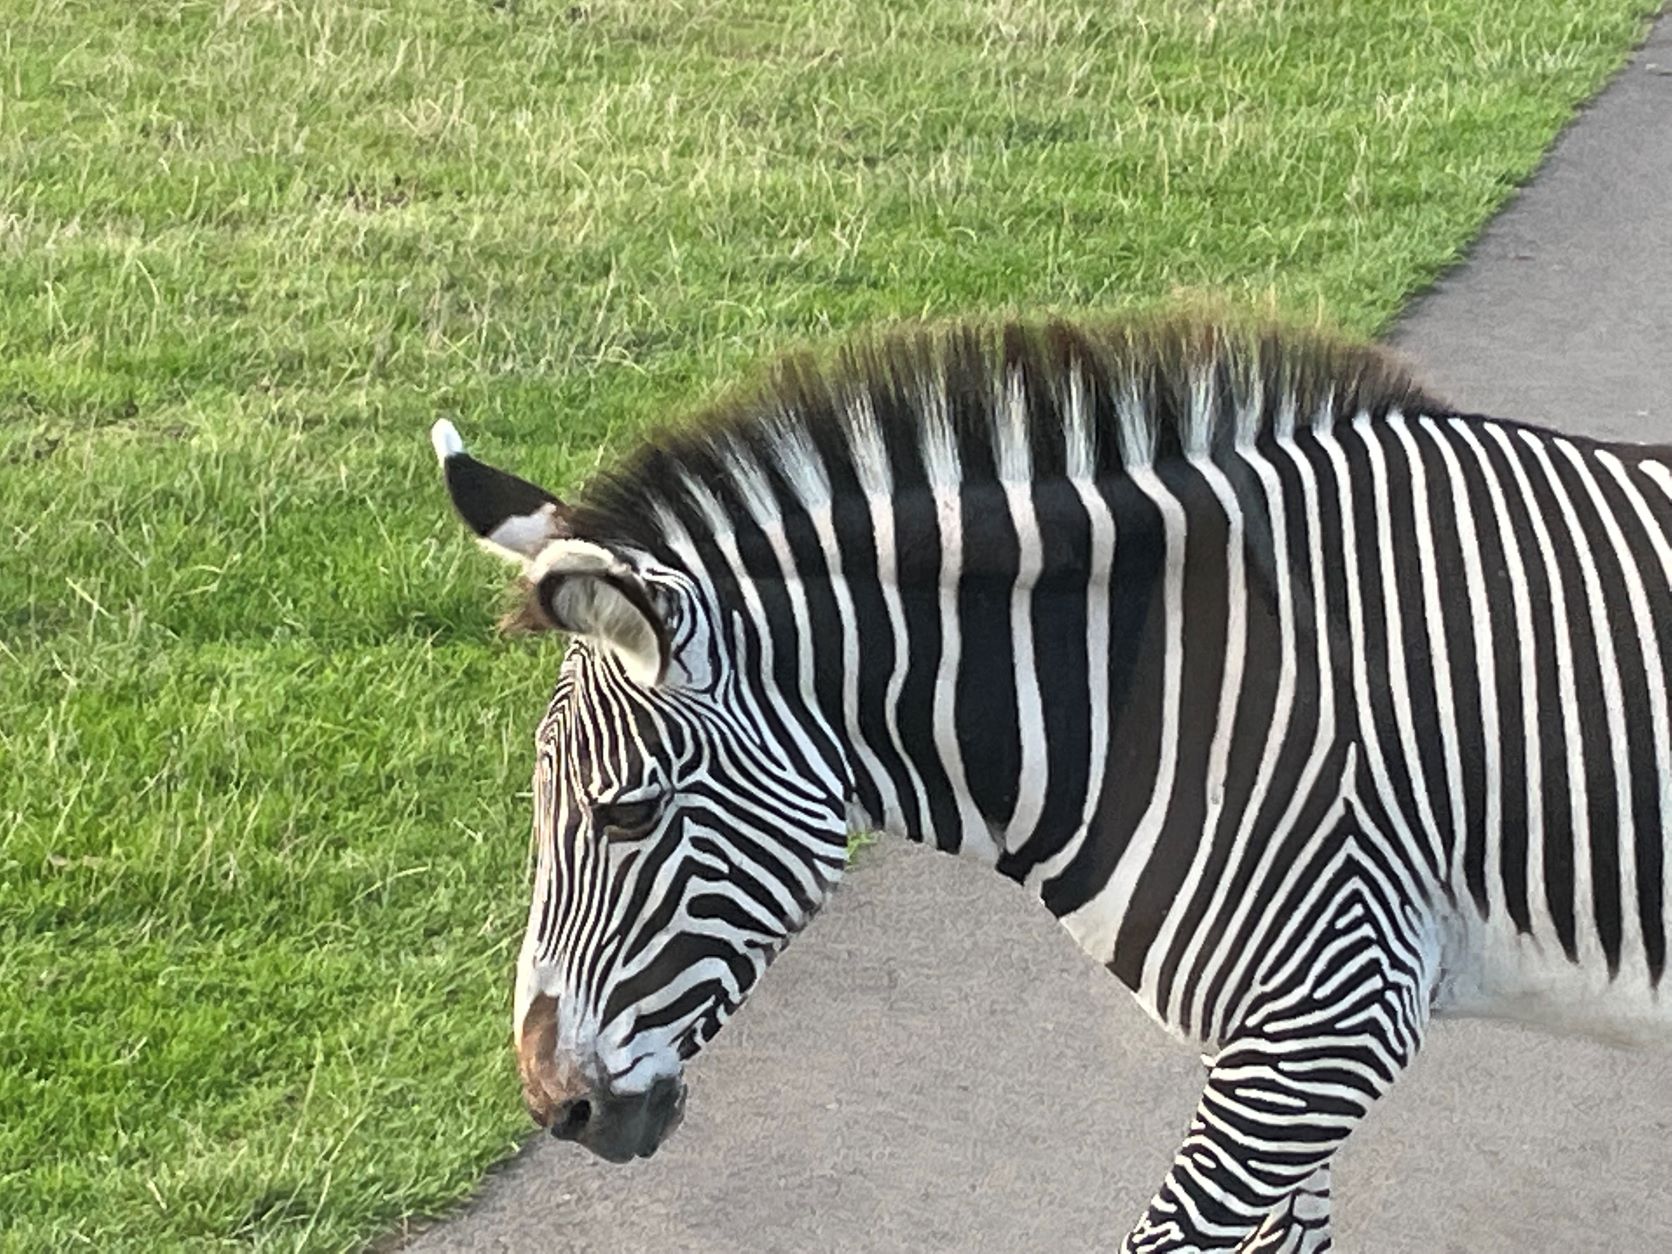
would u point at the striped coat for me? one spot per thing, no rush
(1307, 704)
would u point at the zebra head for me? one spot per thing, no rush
(677, 848)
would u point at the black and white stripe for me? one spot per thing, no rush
(1305, 703)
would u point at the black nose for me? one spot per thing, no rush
(570, 1118)
(620, 1126)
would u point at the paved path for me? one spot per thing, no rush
(936, 1067)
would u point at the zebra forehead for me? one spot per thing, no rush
(985, 402)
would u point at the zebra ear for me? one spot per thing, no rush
(510, 516)
(586, 590)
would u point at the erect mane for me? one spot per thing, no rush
(966, 402)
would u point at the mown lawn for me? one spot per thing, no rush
(262, 762)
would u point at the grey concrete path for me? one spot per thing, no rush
(935, 1067)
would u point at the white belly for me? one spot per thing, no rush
(1489, 971)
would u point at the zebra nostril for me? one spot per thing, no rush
(572, 1118)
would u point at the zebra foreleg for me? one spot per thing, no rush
(1332, 1030)
(1300, 1224)
(1253, 1173)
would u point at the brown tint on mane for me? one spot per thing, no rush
(1154, 388)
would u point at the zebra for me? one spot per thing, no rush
(1310, 706)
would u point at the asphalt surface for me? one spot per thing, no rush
(936, 1067)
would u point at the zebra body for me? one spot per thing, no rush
(1306, 704)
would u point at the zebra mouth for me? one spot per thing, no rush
(620, 1128)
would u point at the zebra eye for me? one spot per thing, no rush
(627, 820)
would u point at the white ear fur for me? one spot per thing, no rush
(591, 592)
(444, 439)
(522, 537)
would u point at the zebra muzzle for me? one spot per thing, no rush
(562, 1098)
(622, 1127)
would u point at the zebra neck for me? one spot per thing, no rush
(964, 648)
(1005, 680)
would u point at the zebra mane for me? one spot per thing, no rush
(938, 407)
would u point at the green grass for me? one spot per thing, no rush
(262, 762)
